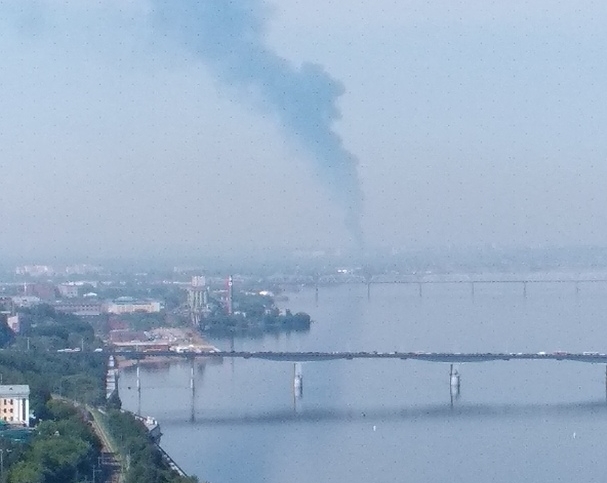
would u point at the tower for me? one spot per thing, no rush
(229, 299)
(197, 299)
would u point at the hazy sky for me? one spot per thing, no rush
(124, 130)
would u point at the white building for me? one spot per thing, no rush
(15, 404)
(199, 281)
(13, 323)
(34, 270)
(126, 305)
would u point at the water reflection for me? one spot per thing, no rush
(468, 411)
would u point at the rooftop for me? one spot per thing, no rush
(17, 390)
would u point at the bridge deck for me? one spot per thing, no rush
(450, 357)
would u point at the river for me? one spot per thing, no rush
(392, 421)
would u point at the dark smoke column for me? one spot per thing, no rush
(228, 36)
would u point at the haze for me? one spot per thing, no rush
(472, 123)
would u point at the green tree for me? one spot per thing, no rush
(26, 472)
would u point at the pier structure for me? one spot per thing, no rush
(297, 380)
(454, 384)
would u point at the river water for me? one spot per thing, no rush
(392, 421)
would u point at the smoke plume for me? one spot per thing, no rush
(228, 35)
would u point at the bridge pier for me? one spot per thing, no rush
(368, 290)
(525, 289)
(454, 384)
(472, 289)
(193, 390)
(297, 381)
(419, 284)
(138, 388)
(192, 363)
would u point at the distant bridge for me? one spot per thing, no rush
(420, 282)
(428, 279)
(481, 281)
(449, 357)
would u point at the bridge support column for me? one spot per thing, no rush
(577, 288)
(525, 289)
(138, 388)
(193, 388)
(192, 374)
(368, 290)
(472, 289)
(297, 380)
(454, 384)
(419, 285)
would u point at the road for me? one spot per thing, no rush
(449, 357)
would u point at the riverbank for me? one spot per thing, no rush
(148, 425)
(141, 458)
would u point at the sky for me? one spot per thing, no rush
(150, 127)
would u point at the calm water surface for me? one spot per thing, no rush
(391, 421)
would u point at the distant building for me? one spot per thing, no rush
(68, 290)
(126, 335)
(198, 281)
(15, 404)
(197, 298)
(26, 300)
(13, 323)
(81, 269)
(127, 305)
(87, 307)
(44, 291)
(34, 270)
(8, 314)
(116, 323)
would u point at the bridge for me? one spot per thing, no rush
(432, 279)
(423, 280)
(297, 357)
(448, 357)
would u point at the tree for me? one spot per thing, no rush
(114, 402)
(7, 336)
(26, 472)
